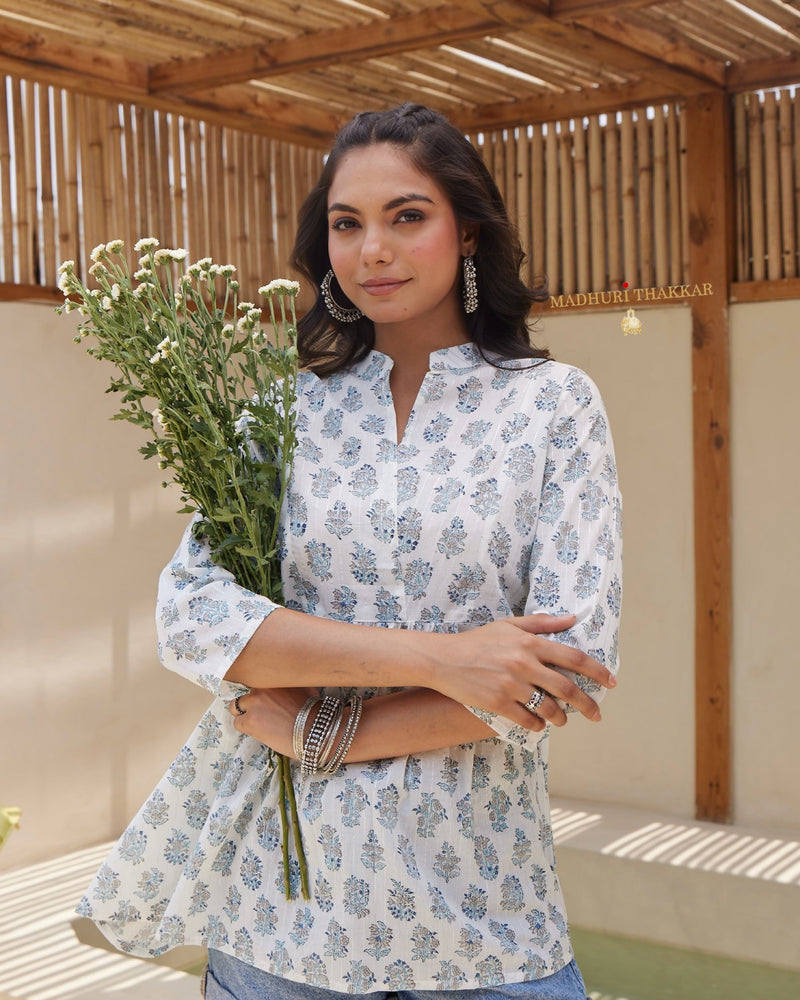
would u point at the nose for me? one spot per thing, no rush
(376, 246)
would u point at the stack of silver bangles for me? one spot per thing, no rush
(319, 752)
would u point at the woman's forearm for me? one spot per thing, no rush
(291, 648)
(392, 725)
(406, 722)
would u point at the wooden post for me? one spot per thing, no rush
(709, 166)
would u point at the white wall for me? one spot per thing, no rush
(642, 754)
(765, 343)
(90, 720)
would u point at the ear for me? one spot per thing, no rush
(469, 239)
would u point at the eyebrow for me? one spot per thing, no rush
(403, 199)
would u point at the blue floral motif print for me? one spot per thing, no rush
(430, 872)
(401, 902)
(339, 520)
(379, 940)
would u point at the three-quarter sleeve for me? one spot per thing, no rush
(203, 617)
(576, 558)
(575, 555)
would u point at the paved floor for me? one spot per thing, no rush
(41, 958)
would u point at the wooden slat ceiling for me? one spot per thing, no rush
(296, 71)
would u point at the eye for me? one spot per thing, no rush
(410, 215)
(343, 223)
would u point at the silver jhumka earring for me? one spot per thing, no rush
(338, 312)
(470, 285)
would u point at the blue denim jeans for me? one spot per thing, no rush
(229, 979)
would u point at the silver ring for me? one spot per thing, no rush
(238, 707)
(535, 700)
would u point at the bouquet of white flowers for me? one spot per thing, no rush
(215, 392)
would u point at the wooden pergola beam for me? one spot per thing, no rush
(86, 72)
(763, 73)
(552, 107)
(424, 29)
(574, 9)
(710, 203)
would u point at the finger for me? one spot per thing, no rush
(567, 691)
(549, 710)
(236, 708)
(544, 623)
(569, 658)
(527, 720)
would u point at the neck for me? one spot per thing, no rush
(410, 345)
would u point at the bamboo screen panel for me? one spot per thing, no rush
(767, 163)
(599, 201)
(76, 171)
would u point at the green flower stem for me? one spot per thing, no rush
(298, 839)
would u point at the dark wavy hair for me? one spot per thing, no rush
(439, 150)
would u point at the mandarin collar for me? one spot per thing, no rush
(459, 358)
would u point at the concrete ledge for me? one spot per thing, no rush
(726, 890)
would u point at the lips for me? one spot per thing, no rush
(383, 286)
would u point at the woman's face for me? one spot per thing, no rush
(395, 244)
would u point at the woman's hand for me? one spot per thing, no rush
(498, 666)
(268, 714)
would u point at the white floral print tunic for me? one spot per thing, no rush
(432, 871)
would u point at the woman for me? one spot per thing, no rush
(454, 489)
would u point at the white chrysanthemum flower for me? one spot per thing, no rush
(227, 330)
(114, 246)
(145, 244)
(107, 303)
(66, 265)
(165, 345)
(155, 358)
(227, 270)
(64, 282)
(159, 416)
(280, 286)
(254, 314)
(98, 252)
(97, 268)
(143, 274)
(116, 291)
(242, 325)
(162, 257)
(245, 306)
